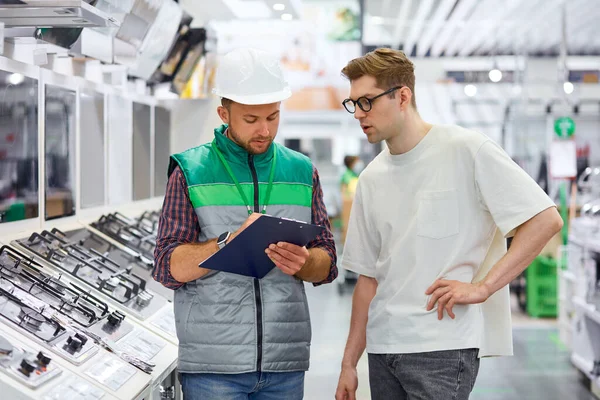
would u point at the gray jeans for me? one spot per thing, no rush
(439, 375)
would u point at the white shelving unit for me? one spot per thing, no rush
(579, 321)
(566, 308)
(584, 366)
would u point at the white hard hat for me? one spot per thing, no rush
(250, 76)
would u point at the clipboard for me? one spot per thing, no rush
(245, 254)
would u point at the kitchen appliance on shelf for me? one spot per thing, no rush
(54, 313)
(28, 371)
(123, 288)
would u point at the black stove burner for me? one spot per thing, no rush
(135, 234)
(7, 273)
(109, 283)
(31, 317)
(68, 305)
(8, 267)
(13, 309)
(149, 220)
(7, 285)
(56, 285)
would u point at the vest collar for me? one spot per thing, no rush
(234, 153)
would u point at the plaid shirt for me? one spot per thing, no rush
(179, 225)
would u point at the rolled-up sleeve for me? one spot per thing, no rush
(178, 224)
(325, 240)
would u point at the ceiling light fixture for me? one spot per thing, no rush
(249, 9)
(278, 7)
(470, 90)
(287, 17)
(495, 75)
(568, 87)
(15, 79)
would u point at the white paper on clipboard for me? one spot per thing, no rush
(563, 159)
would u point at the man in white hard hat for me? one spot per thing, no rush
(239, 337)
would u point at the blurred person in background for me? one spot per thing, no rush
(349, 179)
(348, 183)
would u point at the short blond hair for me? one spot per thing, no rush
(389, 67)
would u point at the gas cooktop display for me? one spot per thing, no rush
(31, 317)
(20, 312)
(26, 366)
(125, 257)
(138, 234)
(92, 241)
(64, 317)
(18, 270)
(42, 305)
(96, 270)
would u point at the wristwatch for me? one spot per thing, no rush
(222, 240)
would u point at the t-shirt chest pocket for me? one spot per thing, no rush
(437, 216)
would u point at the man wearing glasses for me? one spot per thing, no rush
(427, 237)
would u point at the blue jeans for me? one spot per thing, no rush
(251, 386)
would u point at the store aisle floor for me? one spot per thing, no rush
(540, 368)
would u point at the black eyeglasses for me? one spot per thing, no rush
(364, 103)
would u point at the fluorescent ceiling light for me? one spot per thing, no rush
(15, 79)
(249, 9)
(278, 7)
(568, 87)
(470, 90)
(495, 75)
(287, 17)
(377, 20)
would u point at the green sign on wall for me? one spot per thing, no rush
(564, 127)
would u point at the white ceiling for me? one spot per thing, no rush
(444, 27)
(226, 10)
(482, 27)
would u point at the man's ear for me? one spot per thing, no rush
(405, 98)
(223, 114)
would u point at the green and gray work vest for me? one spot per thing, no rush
(229, 323)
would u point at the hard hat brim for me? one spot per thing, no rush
(258, 99)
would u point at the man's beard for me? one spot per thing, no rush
(246, 146)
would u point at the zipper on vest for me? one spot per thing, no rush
(255, 179)
(257, 296)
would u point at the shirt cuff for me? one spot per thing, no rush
(509, 227)
(368, 272)
(163, 275)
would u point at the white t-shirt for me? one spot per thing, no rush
(441, 210)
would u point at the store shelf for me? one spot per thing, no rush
(587, 308)
(576, 240)
(593, 244)
(568, 275)
(565, 325)
(582, 365)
